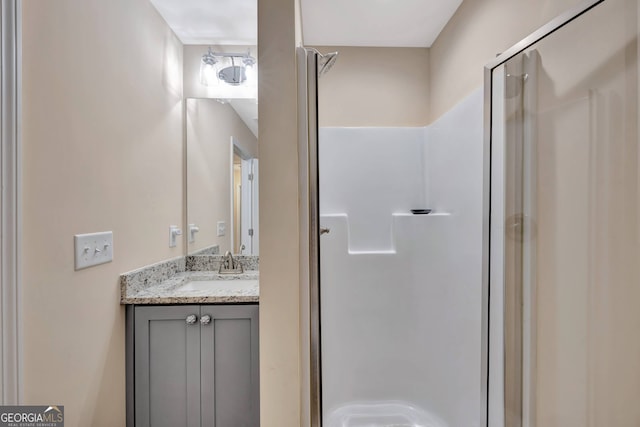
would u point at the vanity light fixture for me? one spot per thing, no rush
(234, 69)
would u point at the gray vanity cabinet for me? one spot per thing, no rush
(229, 367)
(194, 366)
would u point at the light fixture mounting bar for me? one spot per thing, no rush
(234, 55)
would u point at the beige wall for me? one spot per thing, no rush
(478, 31)
(414, 86)
(193, 88)
(279, 269)
(102, 116)
(102, 145)
(210, 126)
(375, 86)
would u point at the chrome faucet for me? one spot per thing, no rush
(230, 265)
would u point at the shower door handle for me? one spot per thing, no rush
(324, 230)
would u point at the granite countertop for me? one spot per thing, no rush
(160, 283)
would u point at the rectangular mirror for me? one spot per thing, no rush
(220, 89)
(222, 176)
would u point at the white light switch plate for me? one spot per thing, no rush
(93, 249)
(222, 228)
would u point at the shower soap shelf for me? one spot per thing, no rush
(432, 213)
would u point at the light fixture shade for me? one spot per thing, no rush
(208, 69)
(208, 74)
(251, 75)
(251, 72)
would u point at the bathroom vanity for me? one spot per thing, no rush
(192, 345)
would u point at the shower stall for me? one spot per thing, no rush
(397, 211)
(395, 305)
(484, 270)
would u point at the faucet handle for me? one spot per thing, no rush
(229, 265)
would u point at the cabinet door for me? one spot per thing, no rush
(229, 368)
(167, 367)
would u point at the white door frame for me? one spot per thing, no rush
(246, 195)
(249, 207)
(248, 219)
(10, 213)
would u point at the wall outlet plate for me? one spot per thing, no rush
(93, 249)
(222, 228)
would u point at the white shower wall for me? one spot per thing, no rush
(371, 173)
(401, 293)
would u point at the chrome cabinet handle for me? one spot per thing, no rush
(192, 319)
(205, 320)
(324, 230)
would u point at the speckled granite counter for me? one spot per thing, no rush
(160, 283)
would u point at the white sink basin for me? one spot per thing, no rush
(220, 285)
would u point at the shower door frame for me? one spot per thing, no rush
(11, 329)
(309, 223)
(492, 243)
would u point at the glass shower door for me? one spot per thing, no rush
(566, 204)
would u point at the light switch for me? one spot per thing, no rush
(93, 249)
(222, 228)
(174, 232)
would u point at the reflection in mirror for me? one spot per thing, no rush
(222, 211)
(244, 201)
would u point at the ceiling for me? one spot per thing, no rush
(388, 23)
(382, 23)
(221, 22)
